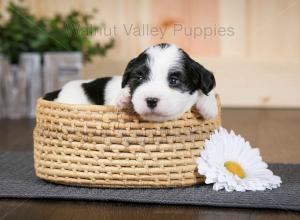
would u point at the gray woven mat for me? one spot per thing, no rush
(17, 180)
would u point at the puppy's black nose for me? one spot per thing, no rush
(152, 102)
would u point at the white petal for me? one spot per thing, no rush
(223, 146)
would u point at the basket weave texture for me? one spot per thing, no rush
(102, 146)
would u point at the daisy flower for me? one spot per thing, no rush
(229, 162)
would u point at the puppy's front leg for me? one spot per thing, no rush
(124, 98)
(207, 105)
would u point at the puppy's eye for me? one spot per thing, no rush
(174, 80)
(139, 76)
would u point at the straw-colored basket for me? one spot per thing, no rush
(101, 146)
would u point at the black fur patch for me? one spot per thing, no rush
(51, 95)
(136, 72)
(95, 89)
(162, 45)
(196, 76)
(183, 81)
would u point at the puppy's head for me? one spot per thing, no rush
(165, 82)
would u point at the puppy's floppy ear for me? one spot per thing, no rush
(125, 79)
(127, 71)
(202, 78)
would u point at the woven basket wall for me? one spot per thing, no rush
(101, 146)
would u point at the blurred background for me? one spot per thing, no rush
(252, 46)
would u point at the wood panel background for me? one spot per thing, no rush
(259, 66)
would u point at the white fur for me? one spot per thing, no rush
(172, 103)
(72, 93)
(162, 60)
(207, 105)
(112, 91)
(124, 98)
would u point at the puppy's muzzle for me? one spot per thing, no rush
(152, 102)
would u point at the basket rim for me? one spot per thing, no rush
(93, 107)
(78, 106)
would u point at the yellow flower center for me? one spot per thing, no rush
(235, 168)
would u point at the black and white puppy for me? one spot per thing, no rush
(162, 83)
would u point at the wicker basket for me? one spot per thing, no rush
(101, 146)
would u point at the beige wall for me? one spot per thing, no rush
(258, 66)
(269, 28)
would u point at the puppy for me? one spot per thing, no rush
(161, 83)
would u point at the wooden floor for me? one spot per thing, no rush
(275, 132)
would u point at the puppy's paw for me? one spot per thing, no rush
(123, 101)
(207, 107)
